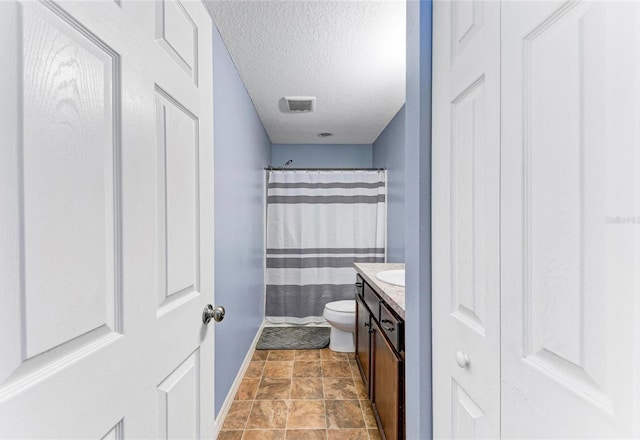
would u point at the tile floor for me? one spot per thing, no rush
(301, 394)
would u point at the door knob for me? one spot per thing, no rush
(210, 312)
(462, 359)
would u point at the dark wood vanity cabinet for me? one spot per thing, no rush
(380, 358)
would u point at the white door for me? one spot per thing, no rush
(106, 196)
(466, 219)
(570, 219)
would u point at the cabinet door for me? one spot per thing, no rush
(363, 341)
(387, 386)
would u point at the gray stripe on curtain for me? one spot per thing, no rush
(326, 199)
(302, 301)
(301, 251)
(327, 185)
(304, 263)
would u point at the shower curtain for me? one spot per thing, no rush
(318, 224)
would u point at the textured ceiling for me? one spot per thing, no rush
(350, 55)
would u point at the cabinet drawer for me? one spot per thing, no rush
(392, 327)
(371, 300)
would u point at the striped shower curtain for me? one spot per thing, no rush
(318, 224)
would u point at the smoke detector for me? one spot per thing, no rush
(300, 104)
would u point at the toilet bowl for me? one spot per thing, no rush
(342, 317)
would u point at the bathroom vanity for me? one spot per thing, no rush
(380, 346)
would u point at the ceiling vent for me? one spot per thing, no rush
(300, 104)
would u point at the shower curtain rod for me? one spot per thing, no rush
(322, 169)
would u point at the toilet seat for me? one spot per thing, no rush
(344, 306)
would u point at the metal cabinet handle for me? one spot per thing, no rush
(209, 312)
(386, 321)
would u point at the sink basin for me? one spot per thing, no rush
(395, 277)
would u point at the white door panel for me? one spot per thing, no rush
(177, 33)
(177, 131)
(179, 403)
(105, 265)
(569, 275)
(466, 160)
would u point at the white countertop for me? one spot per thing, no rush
(392, 295)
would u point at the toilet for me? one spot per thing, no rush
(342, 317)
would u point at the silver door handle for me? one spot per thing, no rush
(210, 312)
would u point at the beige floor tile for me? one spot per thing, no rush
(268, 414)
(263, 434)
(374, 434)
(306, 434)
(340, 388)
(307, 388)
(260, 355)
(307, 355)
(307, 369)
(330, 355)
(347, 434)
(281, 355)
(238, 414)
(336, 369)
(278, 369)
(229, 435)
(254, 370)
(361, 388)
(273, 389)
(247, 389)
(344, 414)
(367, 412)
(306, 414)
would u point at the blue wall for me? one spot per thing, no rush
(389, 152)
(242, 149)
(418, 220)
(323, 155)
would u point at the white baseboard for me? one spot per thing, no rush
(217, 426)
